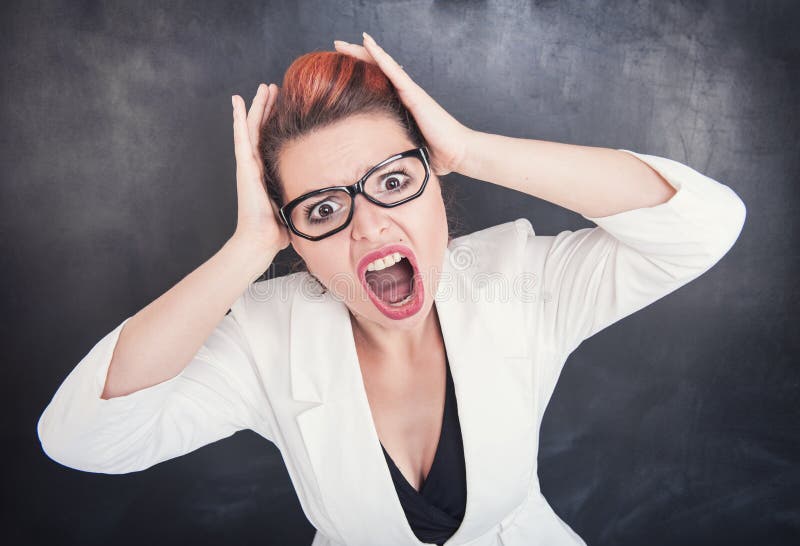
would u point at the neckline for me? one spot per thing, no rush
(436, 454)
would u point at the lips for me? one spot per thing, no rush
(382, 253)
(409, 308)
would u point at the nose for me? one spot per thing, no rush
(369, 220)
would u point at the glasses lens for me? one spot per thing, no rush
(397, 180)
(318, 214)
(324, 212)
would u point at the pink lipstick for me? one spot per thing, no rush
(417, 296)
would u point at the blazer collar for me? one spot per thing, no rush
(493, 379)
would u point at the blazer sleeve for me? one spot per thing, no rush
(214, 396)
(593, 277)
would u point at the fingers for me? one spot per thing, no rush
(247, 167)
(241, 137)
(273, 95)
(256, 113)
(247, 125)
(412, 95)
(354, 50)
(374, 54)
(400, 79)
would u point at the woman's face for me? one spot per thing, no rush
(340, 154)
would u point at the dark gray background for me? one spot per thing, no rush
(677, 425)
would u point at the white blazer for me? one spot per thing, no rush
(512, 305)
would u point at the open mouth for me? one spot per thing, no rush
(394, 285)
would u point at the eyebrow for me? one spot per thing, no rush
(361, 171)
(358, 173)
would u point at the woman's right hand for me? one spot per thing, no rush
(258, 223)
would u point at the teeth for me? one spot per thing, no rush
(403, 301)
(386, 261)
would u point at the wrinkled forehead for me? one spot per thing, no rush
(340, 154)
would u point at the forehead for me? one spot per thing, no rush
(341, 153)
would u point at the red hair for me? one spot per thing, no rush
(321, 88)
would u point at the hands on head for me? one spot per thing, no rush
(258, 221)
(446, 137)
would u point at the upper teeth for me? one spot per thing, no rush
(384, 262)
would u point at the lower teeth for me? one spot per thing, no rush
(402, 302)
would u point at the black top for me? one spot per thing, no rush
(436, 511)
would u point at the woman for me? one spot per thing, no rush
(405, 374)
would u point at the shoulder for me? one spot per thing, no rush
(269, 300)
(496, 248)
(520, 226)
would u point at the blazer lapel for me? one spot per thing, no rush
(492, 374)
(482, 324)
(339, 434)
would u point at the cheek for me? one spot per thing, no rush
(326, 260)
(430, 229)
(311, 255)
(433, 216)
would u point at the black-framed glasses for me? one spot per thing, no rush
(395, 180)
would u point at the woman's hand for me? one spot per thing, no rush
(447, 138)
(258, 223)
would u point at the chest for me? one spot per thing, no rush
(406, 402)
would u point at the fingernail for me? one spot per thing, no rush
(340, 42)
(367, 36)
(233, 102)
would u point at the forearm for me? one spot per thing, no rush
(162, 338)
(591, 181)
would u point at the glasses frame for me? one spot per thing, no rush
(353, 190)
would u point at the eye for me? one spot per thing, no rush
(395, 180)
(322, 211)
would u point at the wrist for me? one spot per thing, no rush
(467, 166)
(252, 256)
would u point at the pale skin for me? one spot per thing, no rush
(402, 362)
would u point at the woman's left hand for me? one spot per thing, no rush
(447, 138)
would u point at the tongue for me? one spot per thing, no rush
(392, 283)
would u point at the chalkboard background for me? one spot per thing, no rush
(677, 425)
